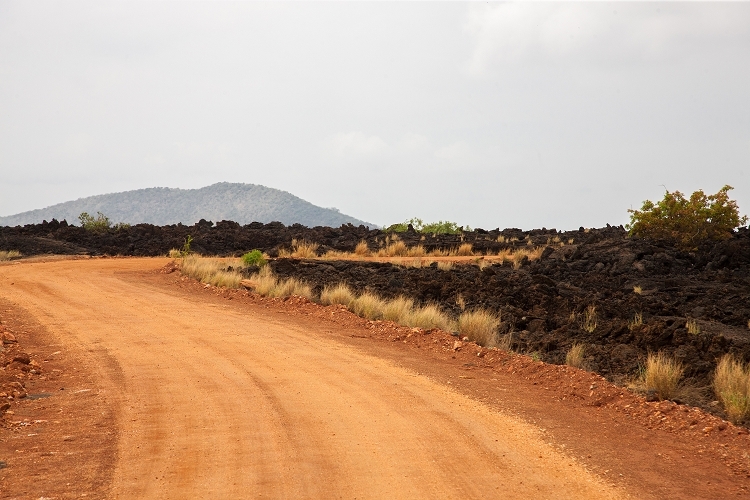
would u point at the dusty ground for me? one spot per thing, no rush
(196, 390)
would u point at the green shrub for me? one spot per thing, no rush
(99, 223)
(439, 227)
(687, 222)
(254, 258)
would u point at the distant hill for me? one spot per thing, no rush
(242, 203)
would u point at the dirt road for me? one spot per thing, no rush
(212, 402)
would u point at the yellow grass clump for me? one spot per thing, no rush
(9, 254)
(589, 319)
(398, 310)
(445, 265)
(465, 250)
(636, 321)
(662, 375)
(732, 387)
(692, 326)
(339, 294)
(304, 249)
(368, 305)
(174, 253)
(362, 249)
(574, 357)
(416, 251)
(211, 271)
(428, 317)
(479, 326)
(268, 285)
(395, 249)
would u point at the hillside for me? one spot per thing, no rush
(242, 203)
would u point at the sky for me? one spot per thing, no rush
(528, 115)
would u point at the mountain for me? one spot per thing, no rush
(242, 203)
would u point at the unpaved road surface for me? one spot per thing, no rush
(211, 402)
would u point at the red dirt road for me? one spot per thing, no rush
(214, 399)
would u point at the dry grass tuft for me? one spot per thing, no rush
(505, 342)
(461, 302)
(445, 265)
(480, 326)
(637, 289)
(589, 318)
(692, 326)
(636, 321)
(398, 310)
(362, 249)
(395, 249)
(662, 375)
(574, 357)
(339, 294)
(465, 250)
(174, 254)
(211, 271)
(368, 305)
(9, 254)
(428, 317)
(416, 251)
(732, 387)
(304, 249)
(268, 285)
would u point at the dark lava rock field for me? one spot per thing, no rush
(541, 302)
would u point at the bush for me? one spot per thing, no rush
(89, 223)
(439, 227)
(688, 222)
(254, 258)
(574, 357)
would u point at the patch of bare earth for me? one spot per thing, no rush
(57, 431)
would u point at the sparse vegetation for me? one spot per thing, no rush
(692, 326)
(174, 253)
(479, 326)
(637, 290)
(732, 386)
(574, 356)
(186, 246)
(210, 271)
(465, 250)
(368, 305)
(589, 319)
(267, 284)
(9, 255)
(662, 375)
(636, 321)
(398, 310)
(428, 317)
(254, 258)
(362, 249)
(339, 294)
(687, 222)
(301, 250)
(445, 265)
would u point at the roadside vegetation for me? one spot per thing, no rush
(661, 376)
(9, 255)
(732, 387)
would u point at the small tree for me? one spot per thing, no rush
(100, 223)
(687, 222)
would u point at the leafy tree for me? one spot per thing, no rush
(100, 223)
(687, 222)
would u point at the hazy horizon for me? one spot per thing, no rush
(492, 115)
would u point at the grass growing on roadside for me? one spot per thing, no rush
(732, 387)
(211, 271)
(398, 310)
(339, 294)
(574, 357)
(465, 250)
(428, 317)
(588, 320)
(662, 374)
(174, 254)
(9, 254)
(368, 305)
(267, 284)
(362, 249)
(480, 326)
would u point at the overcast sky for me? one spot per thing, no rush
(493, 115)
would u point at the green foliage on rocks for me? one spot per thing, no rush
(687, 222)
